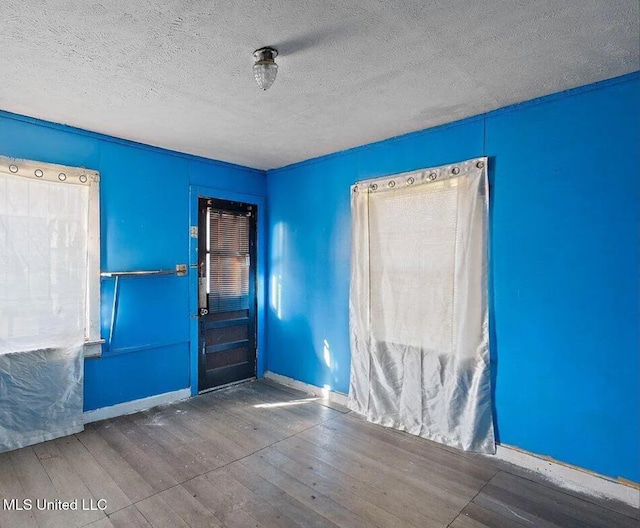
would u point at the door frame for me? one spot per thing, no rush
(195, 192)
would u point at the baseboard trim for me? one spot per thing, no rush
(564, 476)
(104, 413)
(326, 394)
(570, 477)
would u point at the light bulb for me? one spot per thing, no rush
(265, 69)
(265, 74)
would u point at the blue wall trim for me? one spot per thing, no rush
(564, 262)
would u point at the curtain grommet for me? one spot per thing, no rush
(13, 168)
(373, 186)
(391, 184)
(480, 164)
(455, 170)
(410, 181)
(432, 176)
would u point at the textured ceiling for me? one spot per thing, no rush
(177, 74)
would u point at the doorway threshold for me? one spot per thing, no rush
(227, 385)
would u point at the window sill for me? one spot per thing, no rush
(93, 349)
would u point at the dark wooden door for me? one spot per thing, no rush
(226, 292)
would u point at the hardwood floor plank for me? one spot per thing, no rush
(281, 501)
(437, 499)
(105, 522)
(159, 514)
(445, 458)
(225, 496)
(243, 433)
(212, 498)
(97, 480)
(341, 508)
(241, 519)
(288, 417)
(189, 509)
(211, 422)
(299, 394)
(266, 515)
(542, 479)
(455, 489)
(278, 388)
(256, 497)
(68, 484)
(306, 405)
(309, 409)
(38, 486)
(177, 449)
(546, 506)
(129, 517)
(150, 466)
(350, 494)
(508, 507)
(115, 466)
(253, 480)
(475, 516)
(243, 408)
(218, 410)
(162, 449)
(393, 501)
(223, 483)
(173, 422)
(11, 488)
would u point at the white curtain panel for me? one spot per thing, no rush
(43, 285)
(418, 304)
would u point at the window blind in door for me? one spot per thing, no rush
(228, 261)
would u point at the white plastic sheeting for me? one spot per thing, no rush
(44, 217)
(418, 304)
(40, 395)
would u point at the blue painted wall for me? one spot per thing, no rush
(145, 211)
(564, 174)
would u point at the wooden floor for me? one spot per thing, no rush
(259, 454)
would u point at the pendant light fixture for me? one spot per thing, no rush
(265, 69)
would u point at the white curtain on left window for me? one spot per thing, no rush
(44, 233)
